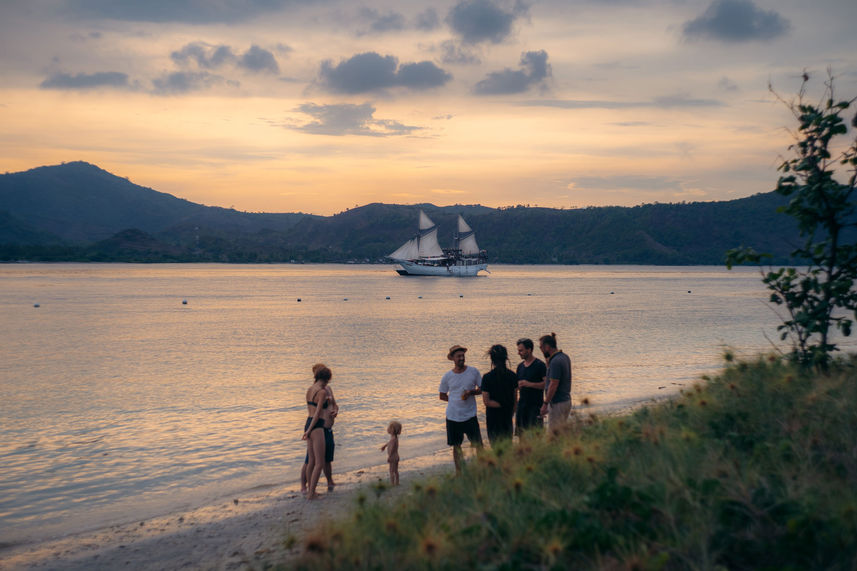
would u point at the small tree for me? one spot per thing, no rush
(819, 293)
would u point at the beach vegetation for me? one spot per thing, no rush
(819, 179)
(755, 468)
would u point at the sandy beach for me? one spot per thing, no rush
(235, 533)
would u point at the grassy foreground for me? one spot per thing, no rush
(756, 468)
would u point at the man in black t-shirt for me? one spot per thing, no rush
(531, 382)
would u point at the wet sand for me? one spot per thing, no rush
(236, 533)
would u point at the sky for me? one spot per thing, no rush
(320, 106)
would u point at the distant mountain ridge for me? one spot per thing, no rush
(77, 211)
(79, 202)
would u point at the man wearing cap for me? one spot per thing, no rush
(459, 388)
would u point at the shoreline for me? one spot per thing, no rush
(233, 533)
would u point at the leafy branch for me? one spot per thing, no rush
(818, 293)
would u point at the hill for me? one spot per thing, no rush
(77, 211)
(81, 203)
(669, 234)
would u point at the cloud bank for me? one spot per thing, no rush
(427, 20)
(534, 71)
(111, 79)
(208, 57)
(184, 11)
(663, 102)
(371, 71)
(736, 21)
(453, 53)
(181, 82)
(380, 23)
(349, 119)
(477, 21)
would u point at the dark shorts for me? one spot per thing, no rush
(455, 432)
(329, 446)
(528, 416)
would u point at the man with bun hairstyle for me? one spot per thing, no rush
(557, 382)
(458, 388)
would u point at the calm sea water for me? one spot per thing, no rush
(120, 402)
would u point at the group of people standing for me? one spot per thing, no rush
(514, 401)
(535, 390)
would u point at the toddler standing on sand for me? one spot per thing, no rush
(392, 447)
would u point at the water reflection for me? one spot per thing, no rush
(119, 397)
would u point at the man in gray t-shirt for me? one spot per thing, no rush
(458, 388)
(557, 382)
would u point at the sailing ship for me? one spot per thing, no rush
(423, 256)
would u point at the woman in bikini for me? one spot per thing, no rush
(328, 414)
(316, 401)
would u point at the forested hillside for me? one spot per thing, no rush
(79, 212)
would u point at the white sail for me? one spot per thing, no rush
(466, 238)
(410, 250)
(429, 247)
(425, 221)
(425, 245)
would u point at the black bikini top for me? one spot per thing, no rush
(309, 402)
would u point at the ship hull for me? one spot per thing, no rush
(459, 270)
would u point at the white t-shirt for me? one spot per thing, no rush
(454, 384)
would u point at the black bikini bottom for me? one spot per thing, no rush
(318, 423)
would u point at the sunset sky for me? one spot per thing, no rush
(318, 106)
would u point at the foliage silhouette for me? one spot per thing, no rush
(818, 294)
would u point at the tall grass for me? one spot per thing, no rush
(756, 468)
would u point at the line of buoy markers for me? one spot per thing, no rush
(613, 292)
(420, 297)
(184, 301)
(298, 300)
